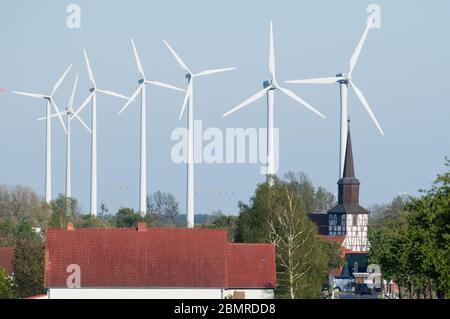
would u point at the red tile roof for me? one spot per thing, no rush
(338, 239)
(248, 264)
(6, 259)
(157, 257)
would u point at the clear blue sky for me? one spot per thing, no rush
(403, 71)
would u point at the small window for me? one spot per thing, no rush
(355, 220)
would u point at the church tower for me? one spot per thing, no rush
(348, 219)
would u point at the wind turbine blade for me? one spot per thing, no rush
(250, 100)
(272, 53)
(214, 71)
(82, 122)
(180, 62)
(56, 86)
(186, 97)
(85, 103)
(164, 85)
(366, 105)
(360, 46)
(132, 98)
(138, 61)
(329, 80)
(301, 101)
(34, 95)
(111, 93)
(91, 75)
(72, 96)
(51, 116)
(58, 113)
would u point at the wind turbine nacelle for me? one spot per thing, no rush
(267, 83)
(91, 90)
(188, 76)
(343, 76)
(141, 81)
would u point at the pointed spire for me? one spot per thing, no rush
(349, 170)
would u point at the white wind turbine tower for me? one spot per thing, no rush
(70, 115)
(93, 97)
(190, 156)
(143, 82)
(50, 103)
(344, 80)
(269, 89)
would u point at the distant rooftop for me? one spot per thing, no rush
(157, 258)
(6, 259)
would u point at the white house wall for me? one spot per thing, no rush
(98, 293)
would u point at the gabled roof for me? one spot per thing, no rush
(7, 259)
(157, 257)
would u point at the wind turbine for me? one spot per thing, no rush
(344, 80)
(70, 115)
(50, 103)
(93, 97)
(269, 90)
(190, 97)
(143, 82)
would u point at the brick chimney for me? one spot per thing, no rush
(142, 226)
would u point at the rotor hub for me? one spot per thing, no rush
(272, 84)
(345, 78)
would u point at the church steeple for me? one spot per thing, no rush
(348, 185)
(349, 170)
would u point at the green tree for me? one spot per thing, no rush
(414, 248)
(28, 262)
(278, 214)
(103, 210)
(89, 221)
(391, 249)
(380, 213)
(19, 204)
(253, 226)
(313, 200)
(221, 221)
(333, 252)
(127, 217)
(163, 204)
(63, 210)
(323, 200)
(8, 289)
